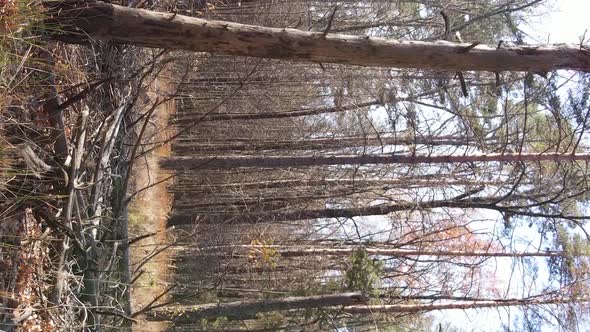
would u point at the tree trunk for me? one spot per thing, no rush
(319, 251)
(323, 143)
(489, 203)
(80, 20)
(183, 218)
(407, 182)
(298, 161)
(302, 111)
(246, 309)
(281, 115)
(423, 307)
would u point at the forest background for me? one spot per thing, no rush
(157, 189)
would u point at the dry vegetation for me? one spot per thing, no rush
(70, 118)
(149, 209)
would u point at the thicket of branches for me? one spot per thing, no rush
(69, 122)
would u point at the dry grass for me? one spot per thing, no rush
(29, 249)
(24, 254)
(149, 210)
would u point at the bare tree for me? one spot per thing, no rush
(301, 161)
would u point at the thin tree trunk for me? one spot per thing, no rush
(423, 307)
(323, 143)
(80, 20)
(489, 203)
(282, 115)
(182, 218)
(275, 201)
(323, 251)
(299, 161)
(245, 309)
(415, 181)
(303, 111)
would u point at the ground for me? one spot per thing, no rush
(149, 209)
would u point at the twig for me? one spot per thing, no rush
(463, 84)
(447, 32)
(67, 215)
(330, 19)
(149, 306)
(132, 159)
(82, 94)
(104, 159)
(466, 49)
(137, 277)
(148, 187)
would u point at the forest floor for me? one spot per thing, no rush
(64, 225)
(148, 212)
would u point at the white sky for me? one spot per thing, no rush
(564, 22)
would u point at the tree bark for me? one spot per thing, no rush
(423, 307)
(407, 182)
(376, 159)
(488, 203)
(183, 218)
(80, 20)
(324, 143)
(294, 113)
(388, 252)
(281, 115)
(245, 309)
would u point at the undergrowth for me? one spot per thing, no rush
(25, 185)
(83, 253)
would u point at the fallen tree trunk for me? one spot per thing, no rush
(78, 21)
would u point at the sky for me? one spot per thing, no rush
(565, 22)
